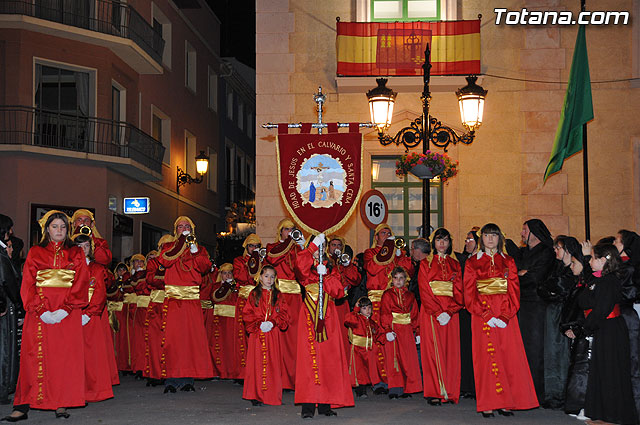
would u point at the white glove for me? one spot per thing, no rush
(499, 323)
(417, 339)
(391, 336)
(266, 326)
(59, 315)
(47, 317)
(319, 239)
(193, 248)
(321, 269)
(398, 252)
(347, 263)
(443, 318)
(301, 242)
(85, 319)
(492, 322)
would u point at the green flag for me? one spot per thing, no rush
(577, 109)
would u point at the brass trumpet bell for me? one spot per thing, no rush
(262, 252)
(85, 230)
(296, 235)
(191, 238)
(399, 243)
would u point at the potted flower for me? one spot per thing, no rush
(427, 166)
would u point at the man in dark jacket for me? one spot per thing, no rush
(535, 262)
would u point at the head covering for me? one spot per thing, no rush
(136, 257)
(252, 239)
(539, 229)
(573, 247)
(178, 220)
(149, 254)
(226, 267)
(378, 229)
(82, 212)
(285, 222)
(43, 223)
(165, 239)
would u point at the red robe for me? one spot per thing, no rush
(363, 364)
(139, 283)
(56, 378)
(401, 355)
(115, 306)
(245, 284)
(263, 377)
(224, 339)
(502, 375)
(350, 276)
(285, 265)
(322, 374)
(112, 291)
(126, 335)
(440, 345)
(153, 324)
(185, 348)
(101, 252)
(97, 367)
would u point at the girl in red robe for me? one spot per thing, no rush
(263, 314)
(440, 283)
(399, 320)
(492, 296)
(54, 291)
(96, 356)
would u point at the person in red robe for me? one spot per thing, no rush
(399, 320)
(142, 291)
(363, 334)
(264, 313)
(54, 291)
(440, 285)
(108, 316)
(282, 256)
(322, 377)
(206, 302)
(153, 325)
(185, 353)
(96, 356)
(102, 253)
(119, 318)
(492, 296)
(379, 261)
(246, 269)
(225, 296)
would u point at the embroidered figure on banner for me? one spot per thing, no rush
(321, 181)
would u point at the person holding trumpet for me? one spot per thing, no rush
(84, 222)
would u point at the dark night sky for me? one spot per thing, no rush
(238, 32)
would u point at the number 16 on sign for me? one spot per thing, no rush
(373, 208)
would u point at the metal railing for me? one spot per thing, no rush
(103, 16)
(21, 125)
(239, 193)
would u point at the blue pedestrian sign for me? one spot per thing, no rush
(137, 205)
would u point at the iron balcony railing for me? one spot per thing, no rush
(104, 16)
(21, 125)
(239, 193)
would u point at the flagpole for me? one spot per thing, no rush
(585, 169)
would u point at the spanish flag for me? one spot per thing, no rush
(397, 48)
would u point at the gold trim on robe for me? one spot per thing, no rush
(492, 286)
(401, 318)
(375, 295)
(115, 305)
(288, 286)
(245, 290)
(91, 290)
(224, 310)
(143, 301)
(206, 304)
(443, 288)
(130, 299)
(361, 341)
(157, 296)
(182, 292)
(55, 278)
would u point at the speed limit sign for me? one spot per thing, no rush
(373, 208)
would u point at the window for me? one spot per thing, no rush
(162, 26)
(212, 175)
(213, 90)
(118, 113)
(229, 103)
(240, 114)
(405, 10)
(190, 66)
(404, 198)
(161, 131)
(250, 125)
(62, 90)
(251, 182)
(190, 153)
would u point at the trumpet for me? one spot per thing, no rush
(296, 235)
(85, 230)
(342, 258)
(191, 239)
(263, 253)
(399, 243)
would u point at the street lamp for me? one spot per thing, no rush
(471, 100)
(202, 165)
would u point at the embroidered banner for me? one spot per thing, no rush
(320, 176)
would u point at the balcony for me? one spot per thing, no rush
(107, 23)
(118, 145)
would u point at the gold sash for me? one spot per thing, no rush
(91, 290)
(492, 286)
(245, 290)
(206, 304)
(114, 305)
(361, 341)
(130, 299)
(55, 278)
(288, 286)
(143, 301)
(157, 296)
(375, 295)
(224, 310)
(401, 318)
(442, 287)
(182, 292)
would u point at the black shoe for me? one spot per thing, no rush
(138, 375)
(188, 388)
(487, 415)
(63, 414)
(393, 396)
(380, 390)
(468, 394)
(169, 389)
(10, 418)
(434, 401)
(405, 395)
(329, 413)
(238, 382)
(505, 412)
(363, 395)
(256, 403)
(307, 415)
